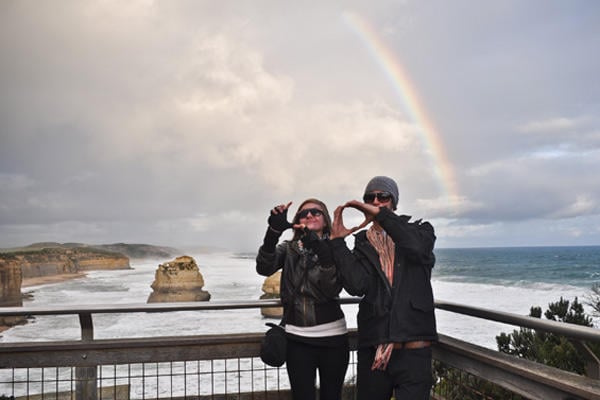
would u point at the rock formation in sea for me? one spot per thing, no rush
(10, 282)
(10, 289)
(178, 280)
(270, 288)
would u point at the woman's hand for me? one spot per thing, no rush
(278, 218)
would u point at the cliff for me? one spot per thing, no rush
(271, 290)
(10, 289)
(34, 262)
(178, 280)
(56, 261)
(10, 282)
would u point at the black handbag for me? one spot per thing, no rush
(273, 348)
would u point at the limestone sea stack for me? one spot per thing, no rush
(179, 280)
(10, 288)
(271, 288)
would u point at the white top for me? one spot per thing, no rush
(334, 328)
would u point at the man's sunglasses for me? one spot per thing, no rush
(314, 211)
(383, 197)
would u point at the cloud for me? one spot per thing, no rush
(582, 205)
(550, 125)
(185, 121)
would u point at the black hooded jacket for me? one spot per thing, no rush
(402, 312)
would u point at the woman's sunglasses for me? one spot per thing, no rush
(381, 196)
(314, 211)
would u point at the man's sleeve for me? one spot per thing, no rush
(417, 238)
(353, 275)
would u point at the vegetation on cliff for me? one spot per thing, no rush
(126, 249)
(139, 250)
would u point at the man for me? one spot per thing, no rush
(390, 267)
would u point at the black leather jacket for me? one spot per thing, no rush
(309, 291)
(402, 312)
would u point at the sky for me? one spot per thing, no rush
(182, 123)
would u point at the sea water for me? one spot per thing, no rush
(510, 280)
(503, 279)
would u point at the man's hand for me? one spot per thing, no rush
(338, 230)
(369, 210)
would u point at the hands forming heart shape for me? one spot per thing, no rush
(338, 229)
(278, 218)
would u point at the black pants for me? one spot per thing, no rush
(303, 361)
(408, 375)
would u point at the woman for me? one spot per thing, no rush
(313, 319)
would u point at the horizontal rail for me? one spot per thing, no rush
(137, 307)
(525, 377)
(560, 328)
(123, 351)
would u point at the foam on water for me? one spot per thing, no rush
(511, 299)
(231, 278)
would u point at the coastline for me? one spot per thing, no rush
(45, 280)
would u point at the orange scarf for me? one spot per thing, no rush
(385, 247)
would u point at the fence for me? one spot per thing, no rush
(226, 366)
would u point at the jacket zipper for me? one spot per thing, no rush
(302, 283)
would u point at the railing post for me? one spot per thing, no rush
(592, 363)
(86, 387)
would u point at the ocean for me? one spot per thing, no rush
(505, 279)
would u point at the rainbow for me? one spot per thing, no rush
(393, 69)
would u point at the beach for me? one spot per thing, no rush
(46, 280)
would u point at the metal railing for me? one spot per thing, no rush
(142, 367)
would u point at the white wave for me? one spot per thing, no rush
(228, 278)
(511, 299)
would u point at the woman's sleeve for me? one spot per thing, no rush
(271, 256)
